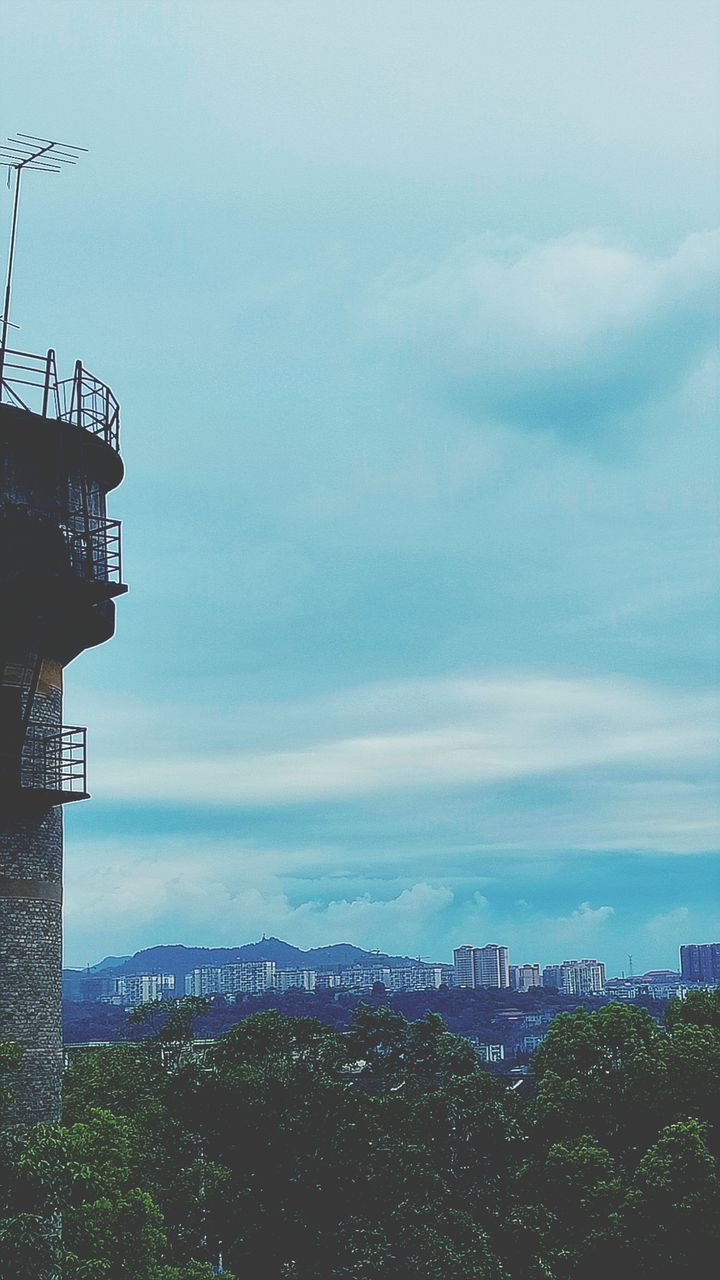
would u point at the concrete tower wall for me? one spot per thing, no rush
(31, 849)
(58, 581)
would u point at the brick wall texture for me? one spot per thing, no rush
(31, 849)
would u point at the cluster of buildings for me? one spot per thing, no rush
(488, 966)
(258, 976)
(485, 967)
(254, 977)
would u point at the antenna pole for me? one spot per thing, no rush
(9, 275)
(26, 152)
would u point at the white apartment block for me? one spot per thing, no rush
(360, 977)
(489, 1052)
(481, 966)
(426, 977)
(529, 1044)
(523, 977)
(244, 977)
(576, 977)
(290, 979)
(630, 988)
(328, 981)
(141, 988)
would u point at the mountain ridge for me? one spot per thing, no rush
(178, 959)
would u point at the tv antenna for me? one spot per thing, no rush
(21, 152)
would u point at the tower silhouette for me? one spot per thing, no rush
(60, 570)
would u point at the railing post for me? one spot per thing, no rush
(78, 390)
(46, 387)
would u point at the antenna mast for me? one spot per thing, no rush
(25, 151)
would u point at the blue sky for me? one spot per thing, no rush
(412, 312)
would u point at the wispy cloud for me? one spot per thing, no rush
(420, 735)
(559, 332)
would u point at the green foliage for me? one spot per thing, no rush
(673, 1205)
(383, 1152)
(698, 1009)
(601, 1073)
(9, 1058)
(172, 1024)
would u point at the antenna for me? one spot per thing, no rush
(26, 151)
(630, 966)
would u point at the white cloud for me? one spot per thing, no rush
(416, 736)
(576, 327)
(212, 894)
(582, 929)
(586, 917)
(669, 926)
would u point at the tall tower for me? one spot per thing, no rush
(60, 570)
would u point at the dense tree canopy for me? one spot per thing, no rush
(296, 1151)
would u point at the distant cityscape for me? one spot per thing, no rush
(474, 967)
(504, 1010)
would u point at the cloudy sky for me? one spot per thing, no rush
(411, 307)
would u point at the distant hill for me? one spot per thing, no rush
(180, 959)
(110, 962)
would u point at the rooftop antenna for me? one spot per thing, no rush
(26, 151)
(630, 966)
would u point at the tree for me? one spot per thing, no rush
(172, 1022)
(673, 1205)
(698, 1009)
(602, 1073)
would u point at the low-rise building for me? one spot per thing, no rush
(487, 1052)
(648, 986)
(528, 1044)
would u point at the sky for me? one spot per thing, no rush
(411, 308)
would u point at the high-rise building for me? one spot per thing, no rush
(576, 977)
(481, 966)
(525, 976)
(464, 966)
(700, 962)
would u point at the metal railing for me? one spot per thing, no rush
(55, 760)
(30, 382)
(94, 546)
(93, 543)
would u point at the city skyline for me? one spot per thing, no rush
(410, 310)
(687, 962)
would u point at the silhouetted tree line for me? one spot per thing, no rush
(466, 1011)
(382, 1152)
